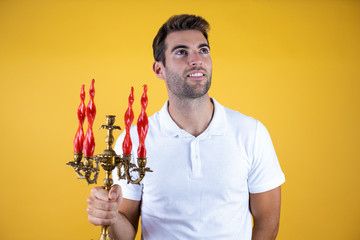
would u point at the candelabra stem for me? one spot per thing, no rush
(108, 180)
(107, 183)
(105, 233)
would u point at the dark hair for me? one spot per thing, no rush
(177, 23)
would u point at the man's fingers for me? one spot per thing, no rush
(102, 212)
(99, 193)
(98, 213)
(115, 192)
(100, 221)
(102, 205)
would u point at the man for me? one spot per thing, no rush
(214, 168)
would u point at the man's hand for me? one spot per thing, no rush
(103, 206)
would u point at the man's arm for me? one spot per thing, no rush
(110, 209)
(129, 212)
(265, 209)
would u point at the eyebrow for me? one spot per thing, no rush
(186, 47)
(179, 46)
(204, 45)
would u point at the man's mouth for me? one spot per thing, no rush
(196, 74)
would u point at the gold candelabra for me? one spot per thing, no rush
(109, 160)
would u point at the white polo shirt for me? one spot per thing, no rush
(199, 187)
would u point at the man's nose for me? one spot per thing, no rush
(195, 59)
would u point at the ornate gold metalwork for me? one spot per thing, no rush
(108, 160)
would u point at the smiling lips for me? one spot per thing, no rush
(196, 74)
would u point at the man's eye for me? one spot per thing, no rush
(181, 52)
(204, 51)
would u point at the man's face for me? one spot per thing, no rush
(188, 64)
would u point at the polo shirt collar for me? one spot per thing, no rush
(167, 125)
(217, 126)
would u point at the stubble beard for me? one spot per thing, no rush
(179, 86)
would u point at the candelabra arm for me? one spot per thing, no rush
(89, 170)
(130, 167)
(88, 177)
(125, 163)
(138, 180)
(120, 175)
(78, 173)
(84, 170)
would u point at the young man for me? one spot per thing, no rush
(214, 168)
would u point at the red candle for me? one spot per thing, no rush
(79, 137)
(89, 142)
(129, 118)
(142, 125)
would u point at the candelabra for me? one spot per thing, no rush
(109, 160)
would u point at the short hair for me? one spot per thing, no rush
(177, 23)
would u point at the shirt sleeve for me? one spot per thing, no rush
(265, 173)
(129, 191)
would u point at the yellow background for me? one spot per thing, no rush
(294, 65)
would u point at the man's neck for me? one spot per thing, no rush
(192, 115)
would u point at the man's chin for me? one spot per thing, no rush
(196, 92)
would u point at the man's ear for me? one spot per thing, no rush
(158, 69)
